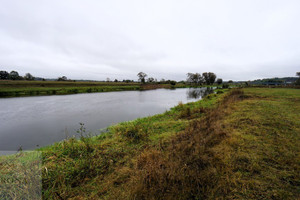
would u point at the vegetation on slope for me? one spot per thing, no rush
(242, 144)
(237, 145)
(96, 167)
(21, 176)
(262, 153)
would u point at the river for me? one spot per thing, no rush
(31, 122)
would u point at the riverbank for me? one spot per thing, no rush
(236, 144)
(39, 88)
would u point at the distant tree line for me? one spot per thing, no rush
(277, 81)
(116, 80)
(142, 78)
(63, 78)
(207, 78)
(14, 75)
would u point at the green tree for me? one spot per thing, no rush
(4, 75)
(194, 78)
(209, 77)
(28, 77)
(219, 81)
(172, 82)
(298, 80)
(14, 75)
(63, 78)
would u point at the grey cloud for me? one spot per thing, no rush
(91, 39)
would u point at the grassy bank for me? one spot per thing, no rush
(21, 176)
(262, 153)
(237, 144)
(93, 167)
(36, 88)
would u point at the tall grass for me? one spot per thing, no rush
(241, 144)
(21, 176)
(77, 166)
(186, 167)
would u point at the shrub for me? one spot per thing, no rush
(225, 86)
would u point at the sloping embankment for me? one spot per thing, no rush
(240, 145)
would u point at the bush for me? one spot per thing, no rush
(225, 86)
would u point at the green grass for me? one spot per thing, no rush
(61, 91)
(75, 167)
(21, 176)
(264, 148)
(36, 88)
(237, 144)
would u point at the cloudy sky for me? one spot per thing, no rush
(96, 39)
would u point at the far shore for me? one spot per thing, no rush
(42, 88)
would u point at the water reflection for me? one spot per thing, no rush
(196, 93)
(32, 121)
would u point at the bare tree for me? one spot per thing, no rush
(150, 80)
(142, 76)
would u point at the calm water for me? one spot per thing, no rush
(38, 121)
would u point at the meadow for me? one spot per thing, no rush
(35, 88)
(235, 144)
(9, 88)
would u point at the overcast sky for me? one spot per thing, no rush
(96, 39)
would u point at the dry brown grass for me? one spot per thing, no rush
(244, 146)
(185, 167)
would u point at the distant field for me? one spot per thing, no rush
(35, 88)
(57, 84)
